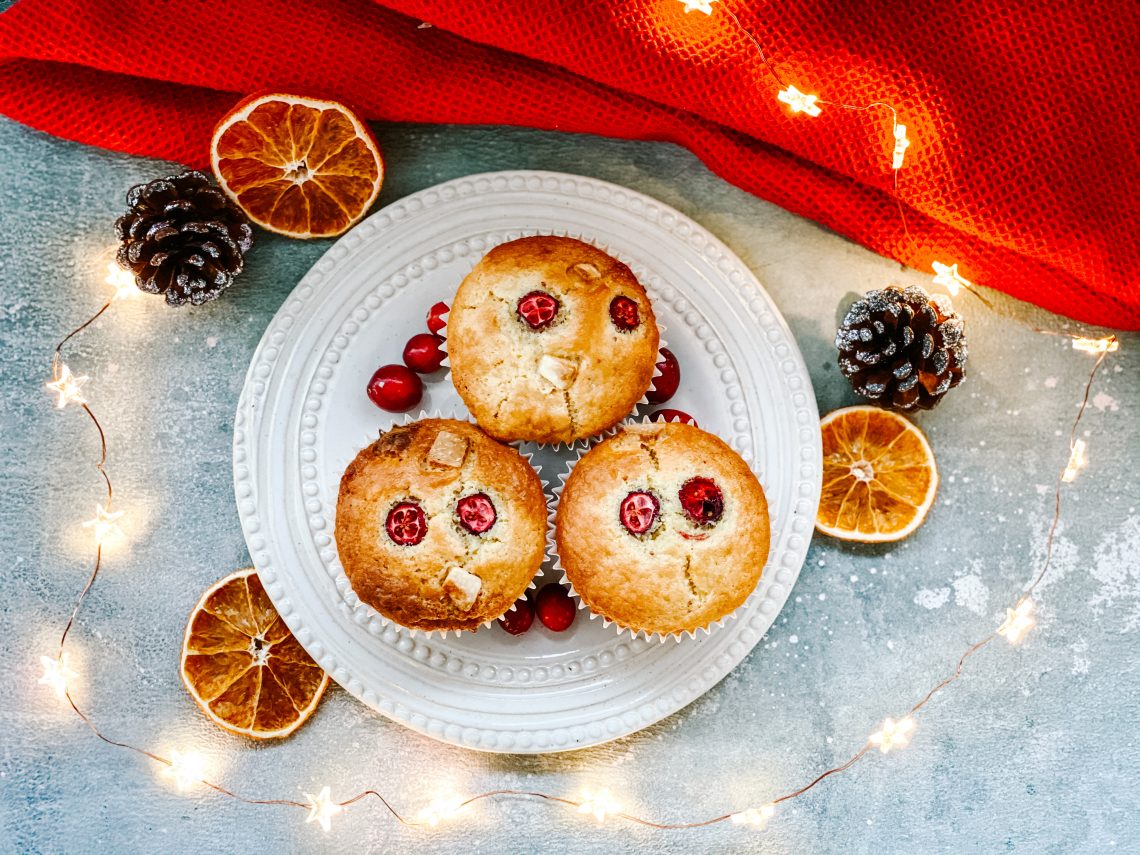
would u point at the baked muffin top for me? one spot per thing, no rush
(550, 340)
(662, 528)
(439, 526)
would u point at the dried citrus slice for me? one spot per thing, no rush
(879, 476)
(242, 665)
(297, 166)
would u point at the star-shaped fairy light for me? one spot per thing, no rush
(1078, 460)
(901, 145)
(186, 768)
(947, 276)
(754, 816)
(440, 810)
(66, 385)
(1096, 346)
(1018, 621)
(322, 808)
(105, 524)
(698, 6)
(600, 804)
(798, 101)
(893, 734)
(57, 673)
(123, 281)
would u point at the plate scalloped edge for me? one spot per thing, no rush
(763, 313)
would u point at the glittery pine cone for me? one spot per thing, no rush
(902, 348)
(182, 238)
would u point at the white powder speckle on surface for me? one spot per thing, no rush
(795, 639)
(212, 341)
(1115, 567)
(1105, 402)
(932, 599)
(972, 593)
(1050, 382)
(1080, 662)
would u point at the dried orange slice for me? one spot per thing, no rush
(879, 476)
(297, 166)
(243, 667)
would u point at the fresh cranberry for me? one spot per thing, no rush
(555, 608)
(518, 620)
(423, 353)
(702, 500)
(538, 309)
(673, 416)
(476, 513)
(435, 321)
(639, 511)
(665, 386)
(395, 388)
(624, 314)
(406, 524)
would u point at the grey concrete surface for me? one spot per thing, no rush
(1034, 750)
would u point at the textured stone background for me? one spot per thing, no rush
(1033, 751)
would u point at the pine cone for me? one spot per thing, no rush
(902, 348)
(182, 238)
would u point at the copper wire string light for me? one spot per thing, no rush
(188, 769)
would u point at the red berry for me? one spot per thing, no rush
(702, 500)
(423, 353)
(638, 512)
(673, 416)
(665, 386)
(555, 608)
(518, 621)
(476, 513)
(435, 321)
(395, 388)
(406, 524)
(538, 309)
(624, 314)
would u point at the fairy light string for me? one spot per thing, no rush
(188, 769)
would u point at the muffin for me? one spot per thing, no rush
(439, 526)
(550, 340)
(662, 528)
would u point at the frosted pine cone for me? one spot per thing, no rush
(902, 348)
(182, 238)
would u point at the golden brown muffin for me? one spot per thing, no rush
(550, 340)
(662, 528)
(439, 526)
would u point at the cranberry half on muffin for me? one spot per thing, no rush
(662, 528)
(439, 526)
(550, 340)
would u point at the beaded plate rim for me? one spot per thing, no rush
(756, 616)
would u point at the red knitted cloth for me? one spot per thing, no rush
(1024, 165)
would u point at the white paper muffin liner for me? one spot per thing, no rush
(701, 631)
(584, 442)
(408, 419)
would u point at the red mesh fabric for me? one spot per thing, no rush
(1023, 167)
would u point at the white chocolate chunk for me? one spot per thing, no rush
(448, 450)
(462, 587)
(557, 370)
(586, 270)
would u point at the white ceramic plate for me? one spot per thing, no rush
(304, 414)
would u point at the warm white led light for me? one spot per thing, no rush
(1078, 460)
(66, 385)
(893, 734)
(1018, 621)
(798, 101)
(322, 808)
(901, 145)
